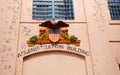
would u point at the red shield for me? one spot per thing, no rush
(54, 35)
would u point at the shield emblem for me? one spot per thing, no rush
(54, 35)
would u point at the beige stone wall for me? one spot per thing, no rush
(9, 31)
(98, 20)
(48, 64)
(92, 25)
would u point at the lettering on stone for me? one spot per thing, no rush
(52, 47)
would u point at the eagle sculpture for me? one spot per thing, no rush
(54, 25)
(53, 33)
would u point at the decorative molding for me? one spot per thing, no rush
(53, 33)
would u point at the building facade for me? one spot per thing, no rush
(96, 24)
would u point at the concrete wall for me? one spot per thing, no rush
(92, 25)
(99, 35)
(9, 31)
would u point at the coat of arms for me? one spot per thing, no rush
(55, 33)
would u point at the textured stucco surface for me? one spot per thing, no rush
(9, 26)
(97, 32)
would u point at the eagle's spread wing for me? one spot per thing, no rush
(46, 24)
(57, 25)
(62, 24)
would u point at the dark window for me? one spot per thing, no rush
(119, 66)
(52, 9)
(114, 8)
